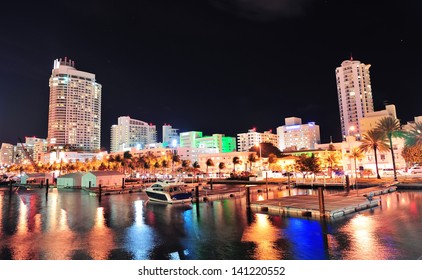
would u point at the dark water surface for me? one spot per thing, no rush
(73, 225)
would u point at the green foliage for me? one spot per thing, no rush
(307, 164)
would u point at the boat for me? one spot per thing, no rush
(170, 193)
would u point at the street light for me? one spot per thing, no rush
(351, 128)
(260, 155)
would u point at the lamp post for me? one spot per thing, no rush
(260, 155)
(352, 128)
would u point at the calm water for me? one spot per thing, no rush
(73, 225)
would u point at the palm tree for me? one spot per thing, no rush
(332, 159)
(414, 136)
(252, 158)
(221, 166)
(209, 163)
(236, 160)
(391, 128)
(174, 159)
(356, 154)
(373, 140)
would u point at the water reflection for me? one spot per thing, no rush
(73, 225)
(264, 235)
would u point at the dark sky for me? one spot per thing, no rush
(218, 66)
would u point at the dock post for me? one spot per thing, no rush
(123, 183)
(46, 188)
(99, 192)
(211, 183)
(321, 201)
(347, 183)
(197, 193)
(89, 184)
(248, 197)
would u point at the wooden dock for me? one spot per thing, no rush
(335, 205)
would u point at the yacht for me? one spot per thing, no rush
(168, 193)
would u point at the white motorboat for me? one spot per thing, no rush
(168, 193)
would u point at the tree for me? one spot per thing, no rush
(332, 158)
(185, 163)
(272, 158)
(266, 149)
(209, 163)
(221, 166)
(174, 159)
(373, 140)
(414, 136)
(412, 154)
(391, 128)
(236, 160)
(307, 164)
(252, 158)
(356, 154)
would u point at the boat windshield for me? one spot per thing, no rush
(175, 189)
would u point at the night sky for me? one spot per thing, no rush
(217, 66)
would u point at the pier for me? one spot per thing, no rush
(335, 205)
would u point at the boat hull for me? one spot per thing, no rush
(166, 198)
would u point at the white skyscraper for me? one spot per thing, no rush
(74, 118)
(130, 133)
(354, 95)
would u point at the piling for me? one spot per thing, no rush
(211, 183)
(46, 187)
(123, 183)
(347, 183)
(321, 201)
(197, 193)
(89, 184)
(99, 192)
(248, 197)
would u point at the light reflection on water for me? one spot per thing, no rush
(73, 225)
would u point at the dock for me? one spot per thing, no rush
(335, 205)
(95, 191)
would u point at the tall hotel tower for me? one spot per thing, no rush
(74, 118)
(354, 95)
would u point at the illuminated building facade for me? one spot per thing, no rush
(218, 142)
(297, 136)
(6, 154)
(245, 141)
(170, 136)
(354, 95)
(130, 133)
(74, 119)
(370, 121)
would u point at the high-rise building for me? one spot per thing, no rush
(170, 136)
(6, 154)
(354, 95)
(297, 136)
(247, 140)
(130, 133)
(74, 119)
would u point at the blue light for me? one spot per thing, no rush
(293, 127)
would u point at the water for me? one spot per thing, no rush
(73, 225)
